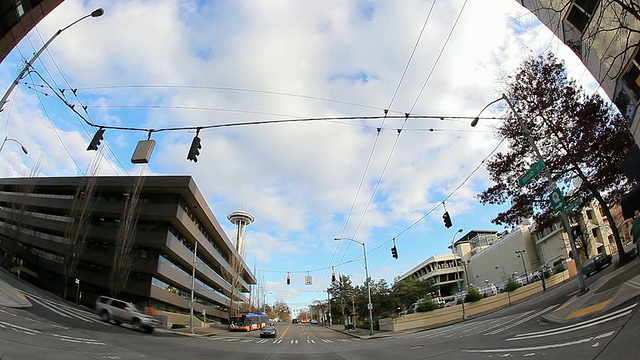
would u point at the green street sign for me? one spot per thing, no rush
(557, 200)
(573, 205)
(529, 175)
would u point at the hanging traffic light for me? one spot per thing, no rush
(394, 252)
(194, 151)
(288, 280)
(333, 277)
(447, 220)
(93, 145)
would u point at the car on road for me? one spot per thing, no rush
(294, 321)
(124, 312)
(595, 264)
(268, 331)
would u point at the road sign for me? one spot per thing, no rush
(557, 200)
(529, 175)
(308, 280)
(573, 205)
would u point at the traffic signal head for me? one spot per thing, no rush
(93, 145)
(194, 151)
(288, 280)
(394, 252)
(447, 220)
(333, 277)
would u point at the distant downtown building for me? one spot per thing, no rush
(36, 217)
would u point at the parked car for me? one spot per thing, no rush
(268, 331)
(124, 312)
(595, 264)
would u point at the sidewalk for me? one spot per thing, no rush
(10, 297)
(610, 291)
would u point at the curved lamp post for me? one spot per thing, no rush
(366, 273)
(455, 261)
(94, 13)
(552, 186)
(24, 149)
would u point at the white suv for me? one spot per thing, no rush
(124, 312)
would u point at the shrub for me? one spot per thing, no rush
(512, 284)
(547, 274)
(473, 295)
(427, 306)
(559, 268)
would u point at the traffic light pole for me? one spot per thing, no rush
(552, 186)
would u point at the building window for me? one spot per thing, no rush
(628, 91)
(581, 12)
(576, 23)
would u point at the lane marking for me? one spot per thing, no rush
(582, 325)
(542, 347)
(19, 327)
(494, 332)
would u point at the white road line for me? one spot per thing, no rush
(19, 327)
(73, 312)
(582, 325)
(521, 321)
(327, 341)
(277, 341)
(310, 341)
(261, 341)
(542, 347)
(50, 308)
(78, 340)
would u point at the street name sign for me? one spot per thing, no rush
(529, 175)
(573, 205)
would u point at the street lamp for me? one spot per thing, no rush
(552, 186)
(94, 13)
(366, 274)
(455, 261)
(520, 254)
(24, 149)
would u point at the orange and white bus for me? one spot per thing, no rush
(248, 321)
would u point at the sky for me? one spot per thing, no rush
(327, 71)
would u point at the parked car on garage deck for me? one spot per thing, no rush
(596, 264)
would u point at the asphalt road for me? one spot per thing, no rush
(53, 329)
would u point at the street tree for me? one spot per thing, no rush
(78, 226)
(126, 236)
(343, 292)
(282, 310)
(407, 291)
(581, 138)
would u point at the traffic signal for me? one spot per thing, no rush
(394, 252)
(194, 151)
(447, 220)
(93, 145)
(288, 280)
(333, 277)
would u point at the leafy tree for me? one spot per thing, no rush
(580, 137)
(408, 290)
(282, 310)
(342, 291)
